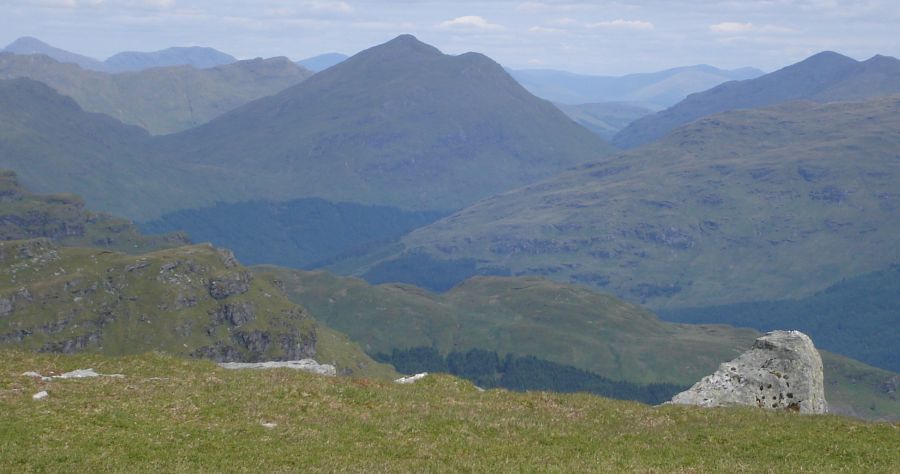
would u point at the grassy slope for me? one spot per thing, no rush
(750, 205)
(161, 100)
(174, 415)
(94, 300)
(24, 215)
(561, 323)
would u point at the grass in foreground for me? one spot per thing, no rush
(178, 415)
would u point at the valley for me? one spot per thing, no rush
(286, 259)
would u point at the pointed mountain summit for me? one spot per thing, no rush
(399, 124)
(196, 56)
(29, 45)
(823, 77)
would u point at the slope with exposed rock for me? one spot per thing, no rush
(748, 205)
(64, 219)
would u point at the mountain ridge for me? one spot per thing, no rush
(161, 100)
(823, 77)
(710, 215)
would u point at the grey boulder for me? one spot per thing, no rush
(782, 371)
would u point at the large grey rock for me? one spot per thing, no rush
(306, 365)
(783, 370)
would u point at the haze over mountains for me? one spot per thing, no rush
(824, 77)
(400, 124)
(322, 61)
(656, 90)
(196, 56)
(164, 99)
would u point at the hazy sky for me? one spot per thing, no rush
(599, 37)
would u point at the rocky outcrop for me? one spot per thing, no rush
(230, 284)
(783, 370)
(192, 300)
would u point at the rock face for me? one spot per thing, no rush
(783, 370)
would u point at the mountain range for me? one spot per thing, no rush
(160, 100)
(823, 77)
(196, 56)
(655, 90)
(747, 205)
(399, 124)
(127, 61)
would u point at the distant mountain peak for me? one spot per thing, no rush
(25, 43)
(404, 45)
(827, 58)
(31, 45)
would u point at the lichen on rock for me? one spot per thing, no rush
(783, 370)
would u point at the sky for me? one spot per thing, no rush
(590, 37)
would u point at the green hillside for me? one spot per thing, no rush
(160, 100)
(858, 317)
(191, 301)
(171, 415)
(824, 77)
(64, 219)
(56, 147)
(563, 324)
(750, 205)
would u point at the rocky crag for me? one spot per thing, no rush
(783, 370)
(193, 300)
(64, 219)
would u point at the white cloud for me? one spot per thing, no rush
(730, 27)
(623, 24)
(543, 30)
(471, 21)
